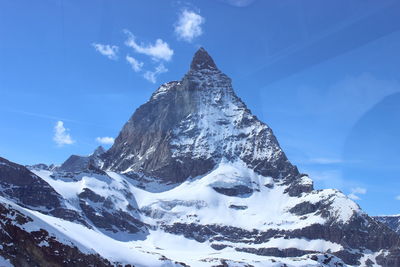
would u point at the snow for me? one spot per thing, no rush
(222, 126)
(305, 180)
(319, 245)
(197, 196)
(102, 185)
(5, 263)
(148, 252)
(369, 255)
(164, 88)
(195, 201)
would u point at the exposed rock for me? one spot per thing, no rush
(24, 187)
(103, 214)
(77, 163)
(237, 207)
(38, 248)
(211, 124)
(392, 221)
(239, 190)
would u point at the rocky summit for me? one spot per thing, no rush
(193, 179)
(189, 126)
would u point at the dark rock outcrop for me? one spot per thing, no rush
(26, 188)
(104, 215)
(77, 163)
(38, 248)
(392, 221)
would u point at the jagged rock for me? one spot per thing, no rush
(103, 214)
(38, 248)
(238, 190)
(188, 126)
(77, 163)
(20, 184)
(392, 221)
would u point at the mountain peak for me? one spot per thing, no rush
(202, 60)
(99, 151)
(190, 126)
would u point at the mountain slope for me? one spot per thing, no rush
(80, 163)
(188, 127)
(195, 179)
(392, 221)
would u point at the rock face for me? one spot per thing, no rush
(392, 221)
(189, 126)
(20, 247)
(77, 163)
(26, 188)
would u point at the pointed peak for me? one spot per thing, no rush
(99, 151)
(202, 60)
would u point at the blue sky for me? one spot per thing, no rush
(323, 74)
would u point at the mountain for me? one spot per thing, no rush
(189, 126)
(193, 179)
(392, 221)
(79, 163)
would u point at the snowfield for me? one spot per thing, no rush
(194, 201)
(156, 250)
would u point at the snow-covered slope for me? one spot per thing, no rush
(69, 244)
(194, 201)
(233, 209)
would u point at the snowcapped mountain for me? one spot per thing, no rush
(193, 179)
(189, 126)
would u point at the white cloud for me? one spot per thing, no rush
(188, 26)
(135, 64)
(109, 51)
(397, 197)
(160, 50)
(61, 135)
(105, 140)
(357, 191)
(353, 196)
(151, 76)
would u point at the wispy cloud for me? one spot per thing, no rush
(151, 76)
(160, 50)
(238, 3)
(39, 115)
(328, 178)
(135, 64)
(188, 26)
(105, 140)
(61, 135)
(324, 161)
(397, 197)
(109, 51)
(355, 192)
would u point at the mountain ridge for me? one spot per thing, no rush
(210, 120)
(193, 178)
